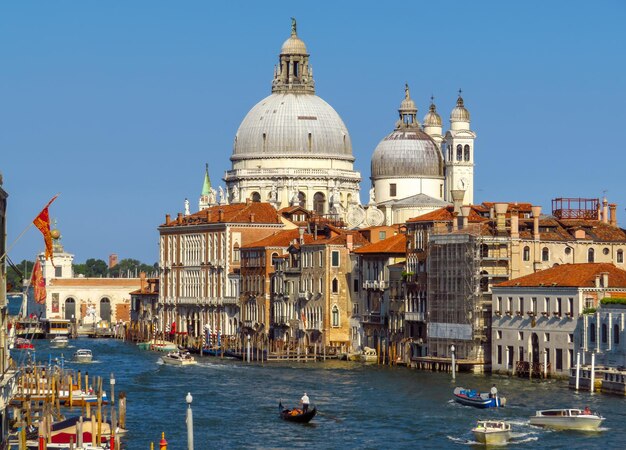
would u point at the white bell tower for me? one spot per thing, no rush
(458, 152)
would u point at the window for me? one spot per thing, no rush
(559, 307)
(335, 316)
(592, 332)
(321, 258)
(559, 359)
(533, 305)
(459, 152)
(484, 250)
(545, 254)
(355, 285)
(499, 354)
(588, 302)
(568, 250)
(526, 253)
(335, 286)
(590, 255)
(605, 251)
(620, 256)
(236, 253)
(546, 306)
(498, 334)
(392, 189)
(319, 200)
(382, 235)
(521, 353)
(616, 334)
(58, 272)
(570, 306)
(546, 337)
(521, 305)
(256, 197)
(320, 285)
(449, 152)
(335, 258)
(500, 304)
(570, 338)
(510, 304)
(604, 333)
(466, 153)
(520, 336)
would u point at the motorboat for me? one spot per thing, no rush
(59, 342)
(296, 414)
(567, 419)
(470, 397)
(179, 358)
(492, 432)
(83, 355)
(23, 344)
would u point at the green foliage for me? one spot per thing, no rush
(93, 268)
(132, 268)
(613, 301)
(16, 274)
(589, 310)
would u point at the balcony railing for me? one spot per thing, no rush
(375, 284)
(414, 316)
(374, 319)
(314, 325)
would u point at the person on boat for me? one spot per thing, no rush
(587, 411)
(305, 403)
(493, 393)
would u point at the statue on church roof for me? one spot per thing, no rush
(187, 207)
(293, 26)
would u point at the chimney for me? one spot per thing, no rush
(220, 215)
(179, 219)
(536, 213)
(209, 215)
(455, 221)
(514, 223)
(605, 279)
(597, 281)
(251, 217)
(501, 217)
(248, 201)
(599, 211)
(142, 279)
(465, 212)
(457, 199)
(612, 214)
(167, 219)
(605, 210)
(349, 243)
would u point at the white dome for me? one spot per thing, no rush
(292, 125)
(407, 153)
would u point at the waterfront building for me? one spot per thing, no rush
(292, 148)
(410, 175)
(506, 241)
(200, 267)
(87, 302)
(380, 301)
(601, 328)
(301, 285)
(144, 319)
(538, 318)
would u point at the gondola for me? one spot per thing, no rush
(296, 414)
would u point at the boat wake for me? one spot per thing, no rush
(515, 440)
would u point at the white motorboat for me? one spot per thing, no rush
(492, 432)
(83, 355)
(567, 419)
(59, 342)
(179, 359)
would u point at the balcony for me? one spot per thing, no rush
(305, 295)
(293, 269)
(414, 316)
(373, 319)
(230, 301)
(282, 320)
(315, 325)
(375, 285)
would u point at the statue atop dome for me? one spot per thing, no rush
(293, 27)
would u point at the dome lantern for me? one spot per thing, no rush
(432, 118)
(407, 111)
(293, 73)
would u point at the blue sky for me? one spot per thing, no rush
(117, 106)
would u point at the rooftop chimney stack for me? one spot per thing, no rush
(457, 199)
(612, 214)
(465, 212)
(501, 217)
(167, 219)
(605, 279)
(179, 218)
(514, 223)
(220, 215)
(605, 210)
(349, 242)
(536, 213)
(301, 230)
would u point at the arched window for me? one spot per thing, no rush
(459, 152)
(335, 286)
(620, 256)
(301, 199)
(592, 333)
(236, 253)
(256, 197)
(335, 316)
(616, 334)
(591, 255)
(70, 307)
(545, 254)
(466, 153)
(603, 330)
(526, 253)
(105, 310)
(319, 201)
(450, 155)
(484, 281)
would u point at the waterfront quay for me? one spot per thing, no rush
(360, 405)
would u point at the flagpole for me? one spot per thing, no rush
(25, 230)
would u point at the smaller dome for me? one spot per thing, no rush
(459, 113)
(293, 46)
(407, 105)
(432, 119)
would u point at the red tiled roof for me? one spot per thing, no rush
(252, 212)
(445, 215)
(394, 244)
(570, 275)
(280, 239)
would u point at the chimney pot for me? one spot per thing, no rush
(612, 214)
(179, 219)
(514, 223)
(220, 215)
(536, 213)
(457, 199)
(167, 219)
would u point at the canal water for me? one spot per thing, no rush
(360, 406)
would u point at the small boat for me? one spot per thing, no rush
(66, 431)
(158, 345)
(83, 355)
(470, 397)
(59, 342)
(296, 414)
(179, 359)
(492, 432)
(23, 344)
(567, 419)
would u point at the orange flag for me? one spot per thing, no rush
(38, 283)
(42, 221)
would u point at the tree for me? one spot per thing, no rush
(17, 274)
(93, 268)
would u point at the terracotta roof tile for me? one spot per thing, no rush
(394, 244)
(570, 275)
(252, 212)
